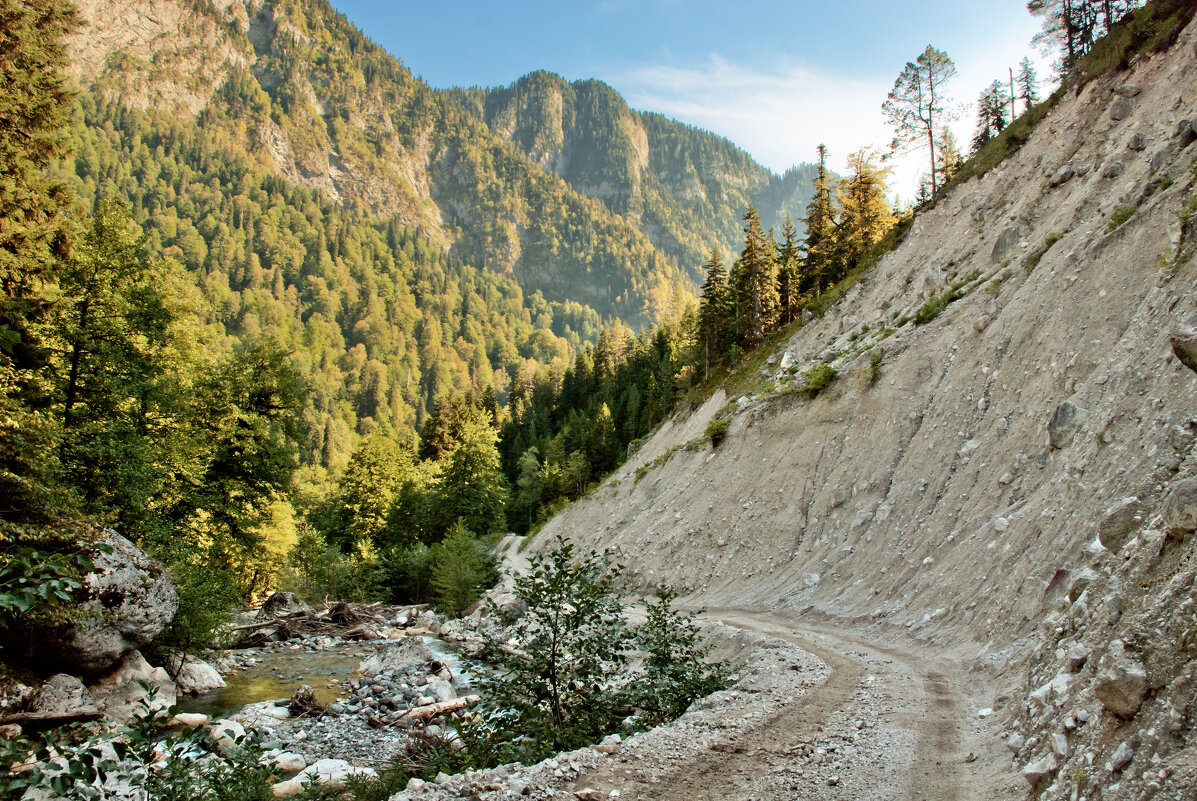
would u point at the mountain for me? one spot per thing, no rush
(685, 188)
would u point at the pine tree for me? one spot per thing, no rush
(947, 153)
(789, 274)
(713, 313)
(918, 105)
(820, 232)
(754, 283)
(991, 114)
(864, 212)
(1027, 83)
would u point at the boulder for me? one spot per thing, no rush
(1138, 143)
(1180, 508)
(193, 675)
(328, 774)
(121, 693)
(1060, 176)
(1121, 681)
(226, 735)
(1009, 238)
(1119, 520)
(408, 652)
(1121, 757)
(1186, 131)
(1184, 344)
(1121, 108)
(1040, 771)
(62, 695)
(1065, 422)
(127, 600)
(280, 604)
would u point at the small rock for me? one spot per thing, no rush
(1015, 742)
(1121, 757)
(1127, 90)
(1066, 420)
(1009, 237)
(1059, 743)
(1119, 520)
(588, 794)
(1186, 132)
(1040, 771)
(1138, 143)
(1121, 108)
(984, 713)
(188, 720)
(1121, 682)
(1059, 177)
(981, 323)
(1184, 344)
(832, 781)
(1114, 170)
(1180, 508)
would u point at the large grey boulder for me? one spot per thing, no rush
(62, 695)
(192, 675)
(122, 693)
(1121, 108)
(127, 600)
(1121, 681)
(1008, 239)
(282, 603)
(1180, 508)
(405, 653)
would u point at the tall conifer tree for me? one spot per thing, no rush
(713, 313)
(755, 282)
(789, 274)
(820, 232)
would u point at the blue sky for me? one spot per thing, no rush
(774, 77)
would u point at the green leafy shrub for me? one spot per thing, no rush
(676, 667)
(407, 573)
(207, 596)
(931, 309)
(553, 691)
(1034, 258)
(817, 379)
(716, 431)
(1120, 215)
(873, 371)
(316, 571)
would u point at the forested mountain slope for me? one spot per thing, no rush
(1002, 474)
(303, 94)
(684, 187)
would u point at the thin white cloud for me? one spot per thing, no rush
(780, 116)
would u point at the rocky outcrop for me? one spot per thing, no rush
(127, 600)
(122, 692)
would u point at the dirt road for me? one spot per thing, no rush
(881, 724)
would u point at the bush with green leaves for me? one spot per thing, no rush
(555, 690)
(317, 571)
(677, 671)
(207, 597)
(817, 379)
(84, 762)
(716, 431)
(568, 682)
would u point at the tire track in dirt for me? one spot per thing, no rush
(759, 762)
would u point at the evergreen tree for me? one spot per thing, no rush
(789, 274)
(1027, 83)
(472, 487)
(366, 491)
(754, 283)
(947, 153)
(457, 569)
(864, 211)
(991, 114)
(34, 112)
(821, 237)
(918, 105)
(713, 313)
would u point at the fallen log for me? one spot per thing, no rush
(41, 721)
(426, 713)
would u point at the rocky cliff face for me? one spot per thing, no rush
(686, 188)
(1002, 482)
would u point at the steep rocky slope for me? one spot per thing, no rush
(1010, 488)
